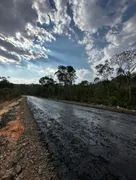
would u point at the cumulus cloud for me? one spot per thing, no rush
(15, 14)
(48, 71)
(26, 25)
(21, 49)
(89, 16)
(12, 47)
(57, 15)
(94, 16)
(18, 30)
(84, 74)
(123, 40)
(25, 81)
(6, 55)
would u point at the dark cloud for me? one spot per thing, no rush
(15, 14)
(8, 55)
(79, 20)
(52, 4)
(15, 35)
(11, 48)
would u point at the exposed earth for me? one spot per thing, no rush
(22, 155)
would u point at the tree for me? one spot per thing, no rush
(48, 87)
(71, 75)
(4, 83)
(46, 80)
(66, 74)
(96, 80)
(84, 83)
(126, 62)
(61, 74)
(104, 70)
(134, 76)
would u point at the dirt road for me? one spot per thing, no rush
(87, 143)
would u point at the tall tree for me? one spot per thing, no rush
(70, 75)
(126, 62)
(4, 83)
(104, 70)
(84, 83)
(46, 80)
(96, 80)
(48, 87)
(61, 74)
(66, 75)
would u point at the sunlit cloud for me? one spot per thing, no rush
(81, 33)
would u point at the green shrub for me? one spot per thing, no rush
(8, 94)
(113, 101)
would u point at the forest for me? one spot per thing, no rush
(114, 85)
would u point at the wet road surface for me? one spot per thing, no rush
(87, 143)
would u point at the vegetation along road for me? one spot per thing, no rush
(87, 143)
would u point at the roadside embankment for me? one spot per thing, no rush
(22, 155)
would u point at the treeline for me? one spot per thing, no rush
(7, 90)
(111, 87)
(107, 92)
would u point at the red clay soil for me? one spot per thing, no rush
(13, 129)
(22, 154)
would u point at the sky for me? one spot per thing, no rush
(36, 36)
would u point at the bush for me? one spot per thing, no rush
(113, 101)
(8, 94)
